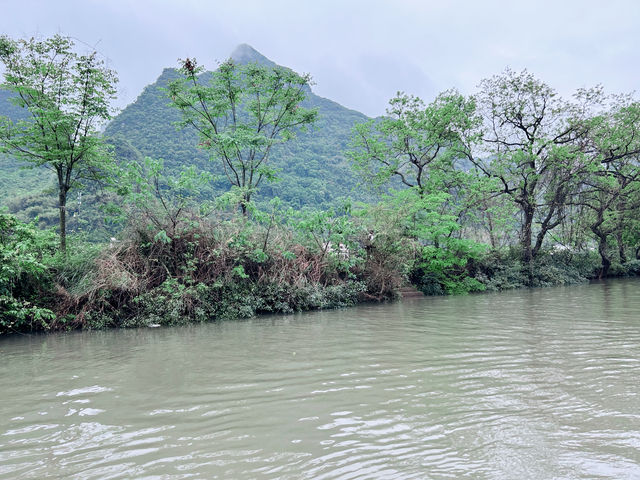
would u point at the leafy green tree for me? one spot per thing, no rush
(611, 184)
(240, 113)
(417, 144)
(532, 147)
(312, 170)
(67, 96)
(424, 149)
(164, 200)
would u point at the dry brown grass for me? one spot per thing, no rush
(199, 252)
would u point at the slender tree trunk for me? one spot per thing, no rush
(526, 235)
(246, 198)
(602, 244)
(492, 237)
(606, 261)
(544, 229)
(539, 240)
(62, 205)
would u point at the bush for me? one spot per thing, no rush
(632, 268)
(498, 272)
(24, 275)
(503, 270)
(200, 271)
(448, 269)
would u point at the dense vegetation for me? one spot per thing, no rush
(235, 214)
(67, 96)
(312, 171)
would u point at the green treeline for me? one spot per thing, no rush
(511, 187)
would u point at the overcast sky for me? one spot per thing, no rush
(358, 52)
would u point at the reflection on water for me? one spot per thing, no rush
(535, 384)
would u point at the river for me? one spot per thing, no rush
(529, 384)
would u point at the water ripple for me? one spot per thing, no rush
(536, 384)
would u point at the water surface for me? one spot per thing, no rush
(532, 384)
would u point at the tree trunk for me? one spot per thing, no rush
(492, 237)
(244, 202)
(602, 244)
(62, 205)
(606, 261)
(525, 239)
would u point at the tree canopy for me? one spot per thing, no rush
(67, 96)
(240, 113)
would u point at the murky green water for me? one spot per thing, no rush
(533, 384)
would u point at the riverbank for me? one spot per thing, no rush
(192, 270)
(197, 270)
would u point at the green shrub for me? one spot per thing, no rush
(503, 270)
(24, 276)
(632, 268)
(447, 269)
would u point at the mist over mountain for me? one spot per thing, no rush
(244, 54)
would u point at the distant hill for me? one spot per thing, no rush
(31, 192)
(14, 181)
(9, 109)
(244, 54)
(313, 168)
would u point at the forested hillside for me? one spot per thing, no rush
(15, 182)
(313, 170)
(29, 191)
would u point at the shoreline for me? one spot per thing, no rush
(360, 302)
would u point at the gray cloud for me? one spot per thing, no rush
(359, 52)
